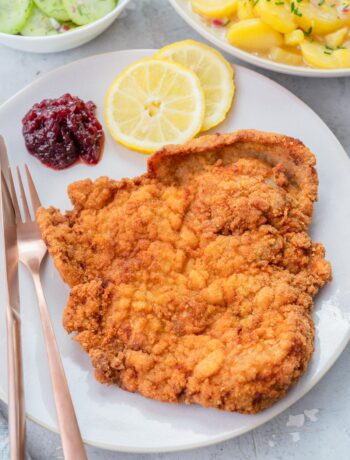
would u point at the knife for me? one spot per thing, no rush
(13, 318)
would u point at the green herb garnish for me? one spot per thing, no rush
(328, 50)
(294, 9)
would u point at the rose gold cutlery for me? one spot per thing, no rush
(13, 317)
(31, 252)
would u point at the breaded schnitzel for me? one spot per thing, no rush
(195, 282)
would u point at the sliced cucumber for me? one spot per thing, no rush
(53, 9)
(39, 24)
(85, 11)
(14, 14)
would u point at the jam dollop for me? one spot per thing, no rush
(62, 131)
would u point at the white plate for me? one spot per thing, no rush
(215, 36)
(108, 416)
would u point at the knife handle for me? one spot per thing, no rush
(15, 386)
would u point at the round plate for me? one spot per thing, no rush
(215, 36)
(112, 418)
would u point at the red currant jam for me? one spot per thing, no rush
(60, 132)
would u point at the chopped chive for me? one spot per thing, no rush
(279, 3)
(321, 2)
(294, 9)
(297, 12)
(328, 50)
(308, 32)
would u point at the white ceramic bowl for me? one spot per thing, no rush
(66, 40)
(184, 10)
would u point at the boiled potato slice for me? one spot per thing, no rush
(245, 9)
(285, 57)
(214, 9)
(276, 14)
(294, 38)
(253, 35)
(337, 38)
(321, 19)
(317, 55)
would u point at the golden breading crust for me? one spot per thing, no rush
(194, 282)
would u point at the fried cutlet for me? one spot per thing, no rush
(195, 282)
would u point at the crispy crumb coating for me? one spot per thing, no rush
(195, 282)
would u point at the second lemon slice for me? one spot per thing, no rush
(153, 103)
(214, 72)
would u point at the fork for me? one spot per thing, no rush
(31, 252)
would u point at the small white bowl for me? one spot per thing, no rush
(65, 40)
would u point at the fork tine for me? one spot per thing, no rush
(33, 193)
(14, 198)
(27, 217)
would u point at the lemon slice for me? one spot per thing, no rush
(214, 9)
(153, 103)
(214, 72)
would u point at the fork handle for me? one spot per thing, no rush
(72, 443)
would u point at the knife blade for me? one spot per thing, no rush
(13, 318)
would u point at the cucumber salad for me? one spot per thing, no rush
(50, 17)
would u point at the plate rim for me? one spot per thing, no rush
(298, 396)
(251, 58)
